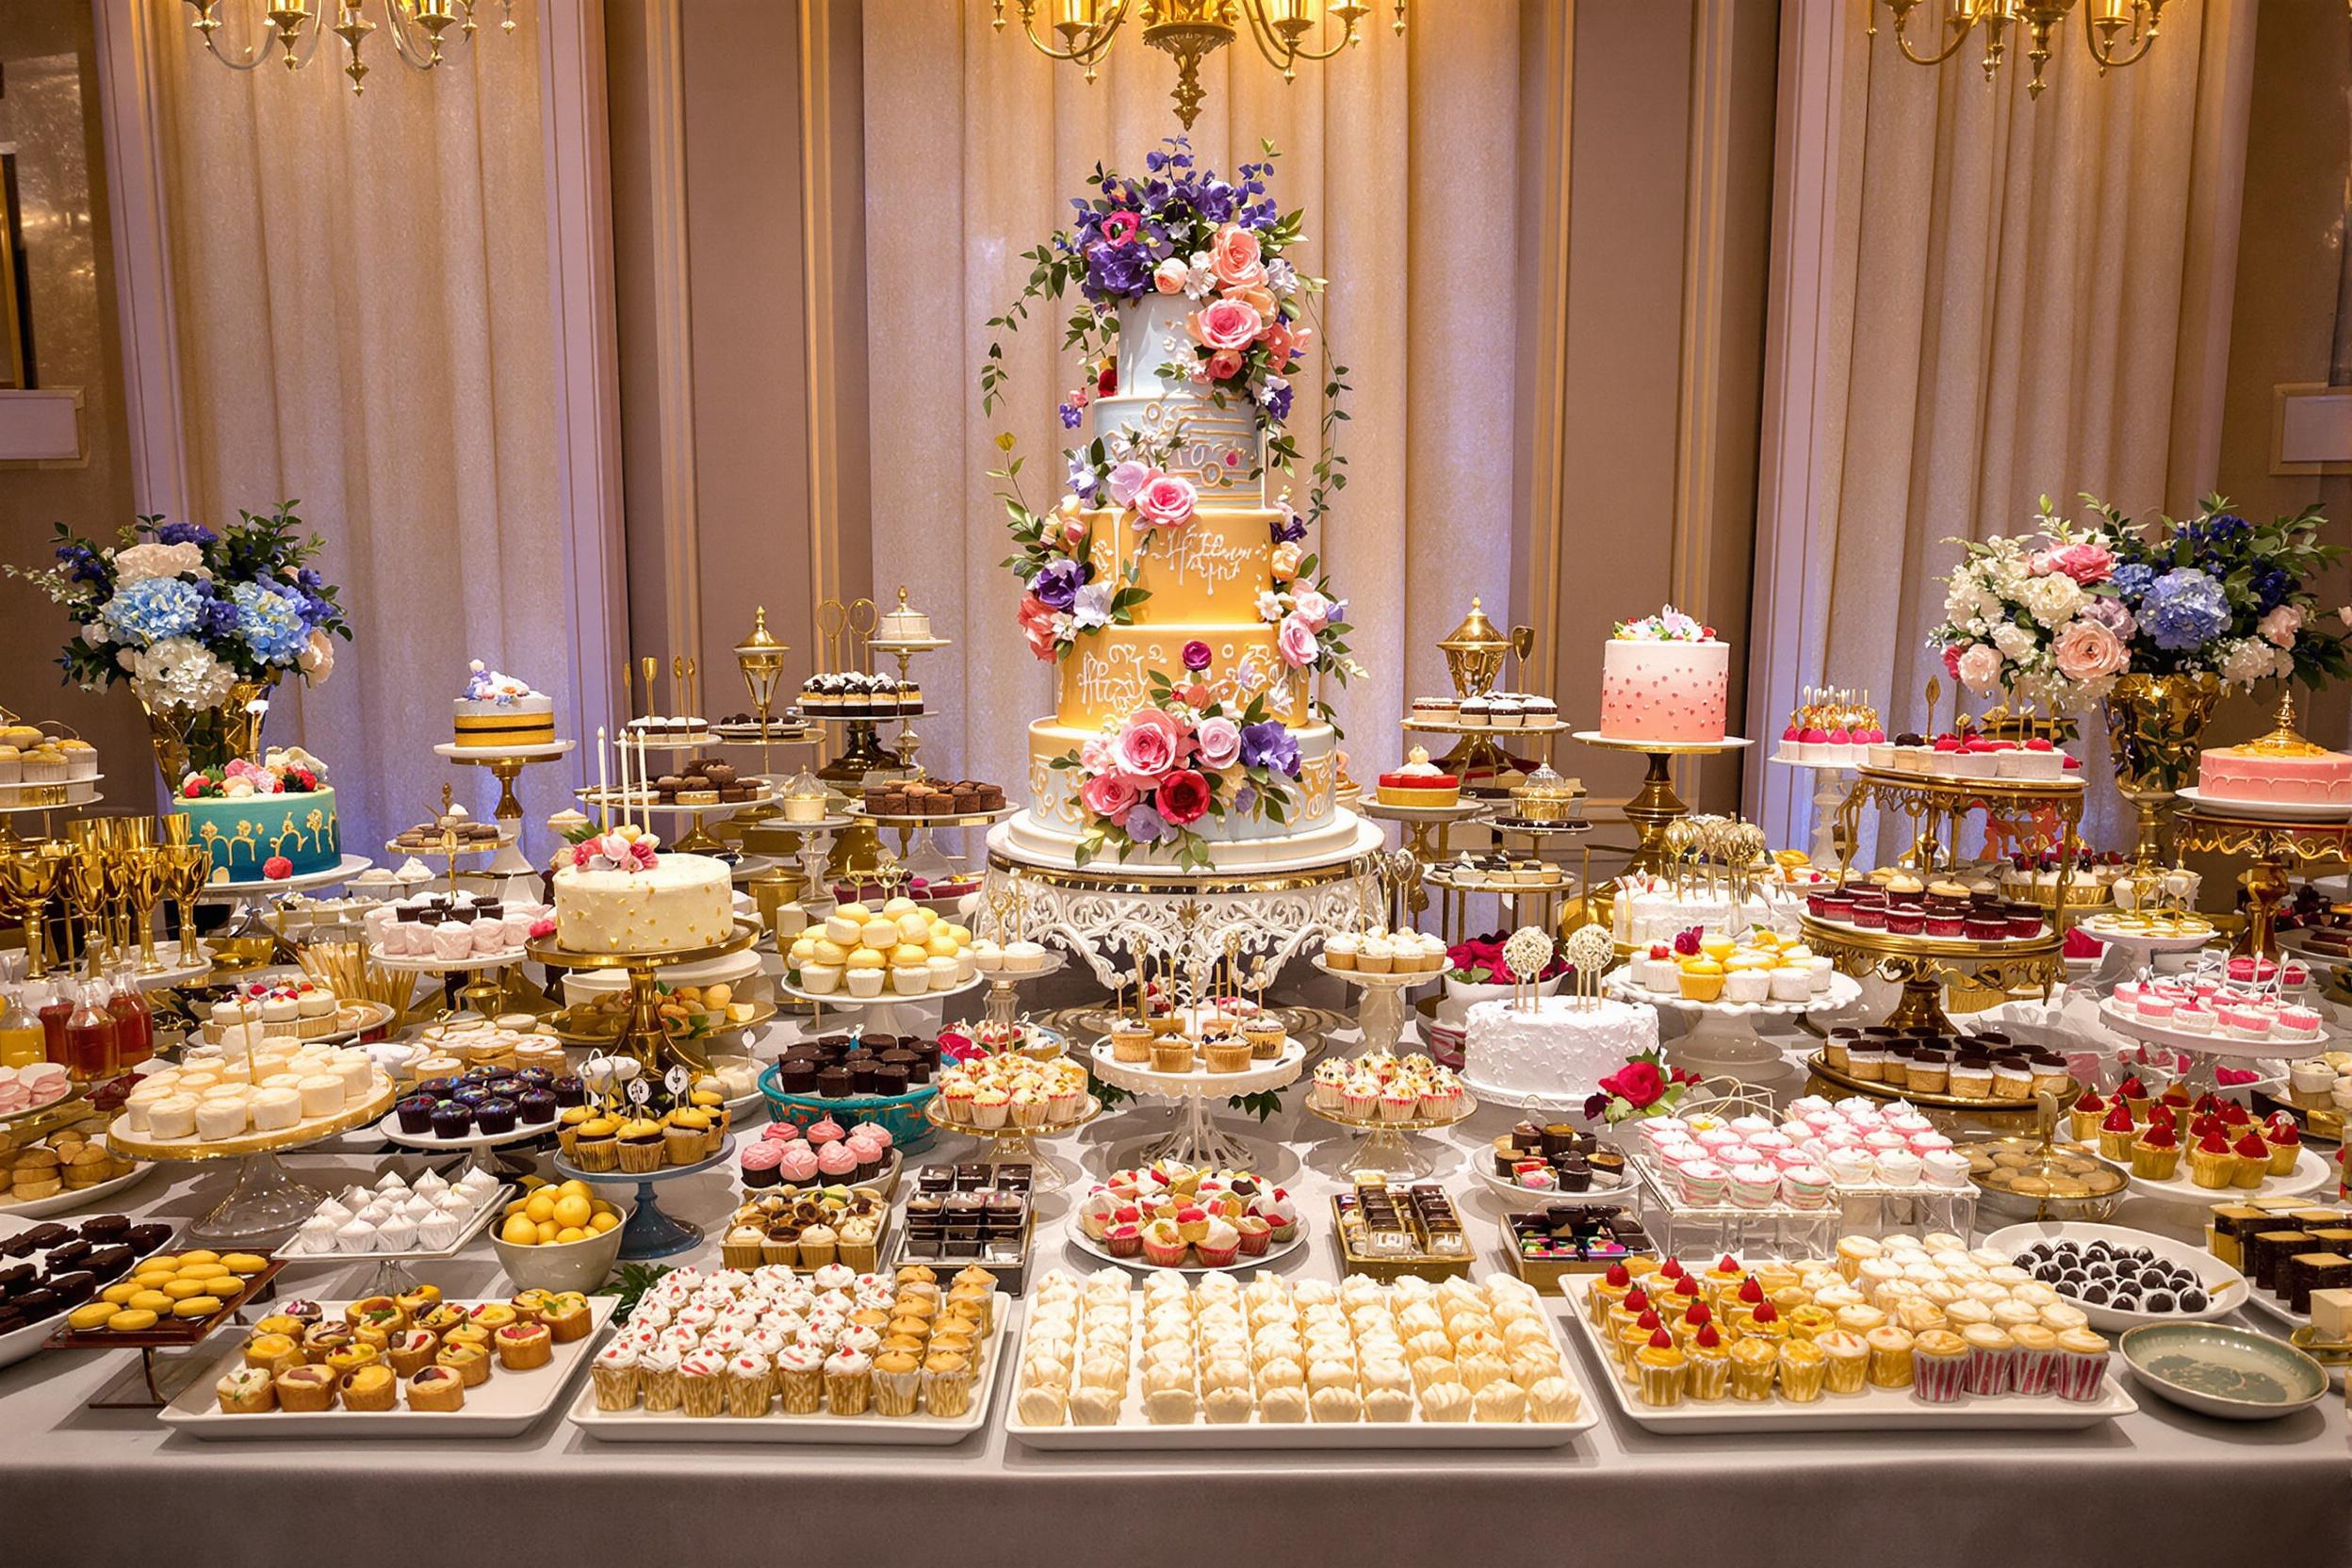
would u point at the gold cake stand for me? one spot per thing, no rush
(2276, 849)
(643, 1035)
(1656, 806)
(265, 1205)
(1923, 965)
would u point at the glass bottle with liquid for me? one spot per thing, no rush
(89, 1036)
(23, 1041)
(133, 1022)
(54, 1008)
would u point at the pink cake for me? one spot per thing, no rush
(1665, 678)
(2270, 773)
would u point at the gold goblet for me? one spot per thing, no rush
(85, 893)
(175, 828)
(187, 868)
(29, 876)
(122, 893)
(148, 878)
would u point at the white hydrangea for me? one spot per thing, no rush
(142, 561)
(2012, 641)
(179, 672)
(2051, 599)
(2250, 659)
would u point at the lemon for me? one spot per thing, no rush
(603, 1220)
(546, 1231)
(540, 1206)
(570, 1233)
(518, 1230)
(572, 1212)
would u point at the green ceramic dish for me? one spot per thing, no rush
(2218, 1369)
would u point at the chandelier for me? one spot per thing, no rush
(295, 25)
(1192, 30)
(2118, 32)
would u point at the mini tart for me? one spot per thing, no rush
(371, 1388)
(306, 1388)
(439, 1388)
(469, 1361)
(523, 1345)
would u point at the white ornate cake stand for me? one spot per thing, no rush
(1096, 910)
(1195, 1140)
(1381, 1013)
(1722, 1042)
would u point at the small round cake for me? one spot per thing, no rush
(1560, 1047)
(1665, 678)
(620, 895)
(499, 710)
(1419, 782)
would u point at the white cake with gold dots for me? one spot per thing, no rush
(616, 893)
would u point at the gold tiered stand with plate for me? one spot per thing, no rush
(2039, 813)
(506, 766)
(1656, 806)
(2276, 840)
(1475, 651)
(643, 1036)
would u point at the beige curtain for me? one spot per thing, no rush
(360, 291)
(2030, 298)
(1406, 157)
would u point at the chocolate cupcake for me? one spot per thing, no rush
(452, 1118)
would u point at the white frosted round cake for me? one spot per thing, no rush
(612, 899)
(1559, 1049)
(1665, 678)
(1647, 909)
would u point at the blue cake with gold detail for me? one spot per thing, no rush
(254, 815)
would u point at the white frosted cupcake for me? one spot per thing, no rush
(1377, 956)
(1340, 951)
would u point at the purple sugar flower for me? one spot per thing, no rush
(1269, 744)
(1058, 582)
(1146, 825)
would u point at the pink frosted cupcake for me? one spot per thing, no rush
(873, 1132)
(836, 1163)
(759, 1162)
(825, 1132)
(779, 1132)
(797, 1163)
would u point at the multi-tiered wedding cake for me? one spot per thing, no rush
(1189, 621)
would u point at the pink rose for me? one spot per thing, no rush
(1295, 641)
(1234, 256)
(1165, 500)
(1127, 478)
(1260, 300)
(1096, 756)
(1312, 608)
(1183, 797)
(1120, 227)
(1225, 324)
(1224, 365)
(1110, 797)
(1219, 740)
(1286, 339)
(1978, 667)
(1169, 276)
(2279, 627)
(2085, 564)
(1036, 624)
(2088, 649)
(1149, 745)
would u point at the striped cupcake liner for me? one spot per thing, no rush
(1991, 1371)
(2078, 1376)
(1939, 1380)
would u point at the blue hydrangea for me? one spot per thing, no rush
(270, 623)
(185, 533)
(2132, 577)
(143, 613)
(2184, 610)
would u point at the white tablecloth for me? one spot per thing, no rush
(2162, 1486)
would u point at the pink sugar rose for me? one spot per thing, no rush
(1312, 608)
(1285, 340)
(1295, 641)
(1225, 324)
(1261, 300)
(1127, 478)
(1224, 365)
(1165, 500)
(1978, 667)
(2088, 650)
(1286, 557)
(2086, 563)
(2279, 627)
(1036, 624)
(1109, 797)
(1096, 755)
(1169, 276)
(1234, 256)
(1149, 745)
(1219, 740)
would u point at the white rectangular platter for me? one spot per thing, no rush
(865, 1430)
(509, 1404)
(1132, 1434)
(1872, 1410)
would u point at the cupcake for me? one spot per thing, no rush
(848, 1382)
(1846, 1360)
(1658, 1371)
(897, 1382)
(1804, 1369)
(1939, 1366)
(2081, 1364)
(1708, 1374)
(639, 1146)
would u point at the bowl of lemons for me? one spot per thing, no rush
(559, 1235)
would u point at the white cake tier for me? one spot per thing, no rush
(1054, 805)
(1562, 1047)
(1034, 841)
(1664, 691)
(1219, 446)
(683, 900)
(1639, 916)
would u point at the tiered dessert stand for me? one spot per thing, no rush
(643, 1036)
(480, 1147)
(650, 1231)
(1722, 1042)
(1195, 1140)
(265, 1205)
(891, 1012)
(1832, 783)
(1923, 965)
(1389, 1146)
(26, 799)
(1012, 1145)
(249, 899)
(697, 838)
(1655, 806)
(1381, 1012)
(2276, 847)
(506, 764)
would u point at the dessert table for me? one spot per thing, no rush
(78, 1485)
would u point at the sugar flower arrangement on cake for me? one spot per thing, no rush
(1668, 625)
(183, 613)
(1645, 1087)
(287, 772)
(484, 684)
(2055, 617)
(626, 849)
(1186, 755)
(1064, 591)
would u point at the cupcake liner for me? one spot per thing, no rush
(660, 1390)
(1939, 1380)
(2034, 1371)
(746, 1396)
(947, 1394)
(2078, 1376)
(1991, 1371)
(848, 1395)
(617, 1386)
(802, 1392)
(895, 1393)
(702, 1395)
